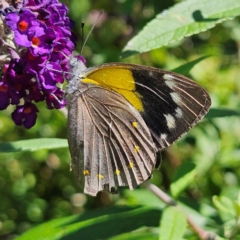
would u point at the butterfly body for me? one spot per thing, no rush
(121, 115)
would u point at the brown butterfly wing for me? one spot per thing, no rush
(110, 144)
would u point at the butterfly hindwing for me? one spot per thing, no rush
(109, 142)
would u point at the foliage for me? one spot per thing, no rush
(40, 197)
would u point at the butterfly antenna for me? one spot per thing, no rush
(82, 36)
(93, 26)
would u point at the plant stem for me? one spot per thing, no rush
(204, 235)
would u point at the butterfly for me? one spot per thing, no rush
(121, 116)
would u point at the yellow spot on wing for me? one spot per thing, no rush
(136, 148)
(86, 172)
(135, 124)
(114, 77)
(133, 97)
(117, 172)
(87, 80)
(100, 176)
(119, 80)
(131, 165)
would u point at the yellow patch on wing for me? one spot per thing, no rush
(117, 172)
(133, 97)
(131, 165)
(100, 176)
(119, 80)
(86, 172)
(135, 124)
(87, 80)
(136, 148)
(114, 77)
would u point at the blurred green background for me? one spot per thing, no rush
(38, 186)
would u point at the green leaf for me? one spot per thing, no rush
(143, 234)
(184, 19)
(225, 207)
(237, 205)
(222, 112)
(33, 145)
(98, 224)
(141, 196)
(182, 178)
(185, 68)
(237, 208)
(173, 224)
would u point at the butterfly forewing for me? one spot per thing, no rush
(116, 144)
(172, 103)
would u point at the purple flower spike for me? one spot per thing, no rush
(35, 61)
(25, 115)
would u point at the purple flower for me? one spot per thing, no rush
(30, 32)
(36, 4)
(8, 96)
(34, 93)
(39, 57)
(4, 96)
(56, 99)
(15, 74)
(57, 15)
(25, 115)
(48, 79)
(42, 39)
(20, 24)
(35, 64)
(82, 59)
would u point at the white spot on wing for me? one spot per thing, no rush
(179, 113)
(169, 80)
(150, 74)
(170, 121)
(170, 84)
(168, 77)
(176, 98)
(163, 136)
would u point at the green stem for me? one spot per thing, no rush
(204, 235)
